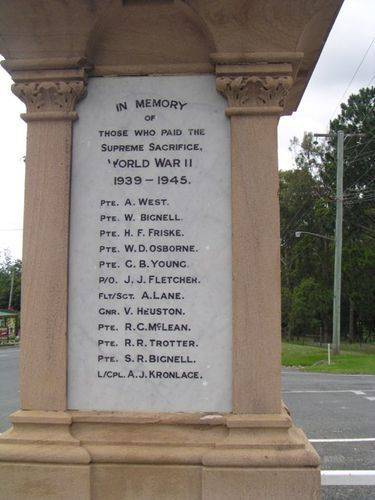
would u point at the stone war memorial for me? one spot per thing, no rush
(150, 356)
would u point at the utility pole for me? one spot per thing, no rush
(11, 290)
(338, 237)
(338, 243)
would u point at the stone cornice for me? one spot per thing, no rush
(53, 63)
(293, 58)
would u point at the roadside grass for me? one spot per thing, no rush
(363, 348)
(314, 359)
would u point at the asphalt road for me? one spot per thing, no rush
(335, 407)
(9, 387)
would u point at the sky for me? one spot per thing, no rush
(352, 35)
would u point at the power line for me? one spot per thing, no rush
(360, 156)
(369, 133)
(354, 190)
(360, 200)
(362, 192)
(359, 197)
(370, 82)
(354, 75)
(360, 177)
(293, 219)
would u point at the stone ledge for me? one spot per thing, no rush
(139, 438)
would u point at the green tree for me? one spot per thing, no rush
(303, 207)
(9, 268)
(309, 305)
(307, 203)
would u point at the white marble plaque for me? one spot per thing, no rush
(150, 247)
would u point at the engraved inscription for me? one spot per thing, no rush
(150, 259)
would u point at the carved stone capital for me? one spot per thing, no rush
(254, 94)
(50, 99)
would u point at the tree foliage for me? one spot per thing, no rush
(307, 203)
(9, 267)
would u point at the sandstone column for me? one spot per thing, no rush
(255, 95)
(50, 98)
(254, 451)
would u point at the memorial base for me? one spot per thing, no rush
(129, 456)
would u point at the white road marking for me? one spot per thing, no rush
(371, 398)
(348, 477)
(296, 372)
(308, 391)
(343, 440)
